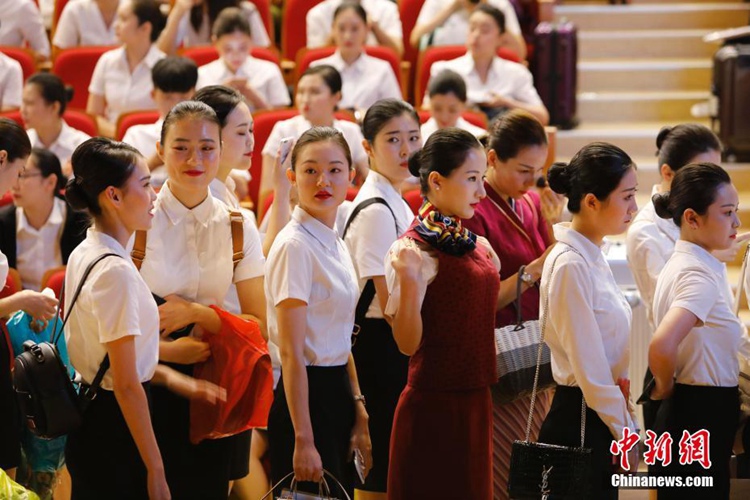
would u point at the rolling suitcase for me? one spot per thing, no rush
(731, 86)
(555, 72)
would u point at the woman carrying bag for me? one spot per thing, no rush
(587, 317)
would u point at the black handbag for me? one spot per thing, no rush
(516, 346)
(547, 471)
(46, 396)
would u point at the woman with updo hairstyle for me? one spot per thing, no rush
(651, 239)
(443, 283)
(115, 449)
(693, 353)
(39, 230)
(318, 417)
(191, 241)
(45, 98)
(378, 217)
(587, 319)
(14, 152)
(516, 220)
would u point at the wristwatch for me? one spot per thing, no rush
(526, 277)
(360, 397)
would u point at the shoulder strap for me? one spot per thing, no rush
(238, 237)
(104, 366)
(368, 293)
(362, 206)
(139, 249)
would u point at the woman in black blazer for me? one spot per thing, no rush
(38, 211)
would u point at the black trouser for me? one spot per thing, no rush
(101, 455)
(332, 416)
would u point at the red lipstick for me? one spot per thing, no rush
(323, 195)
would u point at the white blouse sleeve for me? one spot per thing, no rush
(570, 310)
(66, 31)
(271, 148)
(692, 287)
(10, 96)
(389, 87)
(96, 86)
(429, 272)
(33, 29)
(289, 271)
(257, 28)
(275, 91)
(318, 29)
(114, 297)
(251, 265)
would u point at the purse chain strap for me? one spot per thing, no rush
(543, 324)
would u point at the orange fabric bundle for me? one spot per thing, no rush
(239, 363)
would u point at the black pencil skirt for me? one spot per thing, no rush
(101, 455)
(692, 408)
(332, 416)
(382, 371)
(563, 427)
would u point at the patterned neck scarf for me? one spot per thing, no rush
(444, 233)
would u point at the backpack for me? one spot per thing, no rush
(46, 396)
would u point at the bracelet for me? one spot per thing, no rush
(360, 397)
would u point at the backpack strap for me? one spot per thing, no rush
(238, 237)
(368, 293)
(139, 249)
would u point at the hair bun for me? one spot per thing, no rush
(69, 93)
(661, 205)
(661, 136)
(75, 196)
(415, 161)
(558, 178)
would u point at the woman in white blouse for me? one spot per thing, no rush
(651, 239)
(317, 96)
(14, 152)
(86, 22)
(318, 416)
(11, 83)
(191, 243)
(45, 98)
(21, 25)
(190, 23)
(115, 448)
(587, 317)
(693, 353)
(121, 80)
(366, 79)
(391, 128)
(494, 84)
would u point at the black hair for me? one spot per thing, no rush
(97, 164)
(14, 140)
(48, 163)
(381, 113)
(330, 76)
(678, 145)
(320, 134)
(354, 6)
(597, 168)
(229, 21)
(448, 82)
(52, 89)
(149, 11)
(214, 8)
(175, 74)
(445, 150)
(493, 12)
(221, 99)
(189, 109)
(514, 131)
(694, 186)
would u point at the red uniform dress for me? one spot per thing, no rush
(441, 443)
(517, 237)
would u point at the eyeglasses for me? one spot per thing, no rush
(26, 175)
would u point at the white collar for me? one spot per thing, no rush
(107, 241)
(56, 217)
(703, 255)
(358, 64)
(176, 211)
(566, 234)
(326, 236)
